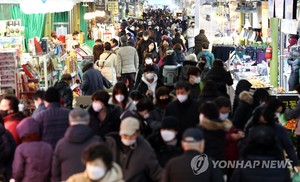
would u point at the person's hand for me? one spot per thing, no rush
(149, 92)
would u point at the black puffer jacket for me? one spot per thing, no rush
(7, 149)
(243, 111)
(65, 93)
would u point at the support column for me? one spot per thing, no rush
(274, 44)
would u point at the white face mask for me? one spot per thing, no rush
(146, 116)
(197, 79)
(149, 76)
(119, 97)
(94, 172)
(201, 117)
(97, 106)
(167, 135)
(127, 142)
(145, 38)
(223, 116)
(277, 114)
(182, 98)
(135, 102)
(148, 61)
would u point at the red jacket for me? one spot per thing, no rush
(10, 122)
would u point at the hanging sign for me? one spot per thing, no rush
(113, 6)
(289, 26)
(279, 8)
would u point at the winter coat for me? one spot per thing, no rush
(138, 163)
(128, 60)
(179, 56)
(199, 40)
(65, 93)
(129, 105)
(140, 74)
(40, 108)
(115, 174)
(11, 122)
(154, 54)
(141, 47)
(93, 80)
(215, 137)
(190, 34)
(108, 63)
(163, 151)
(231, 151)
(243, 111)
(144, 85)
(179, 169)
(209, 58)
(110, 124)
(53, 123)
(242, 85)
(221, 77)
(186, 65)
(68, 152)
(178, 41)
(32, 162)
(7, 149)
(260, 174)
(187, 113)
(195, 91)
(294, 77)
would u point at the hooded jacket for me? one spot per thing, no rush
(32, 160)
(65, 93)
(139, 163)
(199, 40)
(11, 122)
(145, 85)
(115, 174)
(66, 159)
(243, 111)
(215, 137)
(242, 85)
(7, 149)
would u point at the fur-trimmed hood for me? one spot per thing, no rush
(213, 125)
(246, 97)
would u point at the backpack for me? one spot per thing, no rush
(170, 75)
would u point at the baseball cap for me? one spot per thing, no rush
(192, 135)
(129, 125)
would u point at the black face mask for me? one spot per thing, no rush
(201, 65)
(3, 113)
(164, 101)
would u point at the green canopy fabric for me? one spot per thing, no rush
(5, 14)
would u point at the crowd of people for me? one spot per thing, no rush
(147, 129)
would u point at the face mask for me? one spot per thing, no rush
(127, 142)
(148, 61)
(149, 76)
(223, 116)
(197, 79)
(135, 102)
(97, 106)
(201, 117)
(119, 97)
(201, 65)
(94, 172)
(182, 98)
(167, 135)
(277, 115)
(3, 113)
(146, 116)
(164, 101)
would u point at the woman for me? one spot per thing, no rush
(209, 92)
(108, 63)
(120, 97)
(179, 56)
(164, 46)
(152, 50)
(242, 85)
(99, 166)
(220, 76)
(105, 118)
(177, 40)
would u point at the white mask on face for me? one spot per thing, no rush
(277, 114)
(223, 116)
(135, 102)
(127, 142)
(201, 117)
(145, 38)
(167, 135)
(146, 116)
(119, 97)
(148, 61)
(97, 106)
(149, 76)
(94, 172)
(182, 98)
(197, 79)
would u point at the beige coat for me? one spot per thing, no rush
(108, 66)
(115, 174)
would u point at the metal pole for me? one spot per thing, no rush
(274, 62)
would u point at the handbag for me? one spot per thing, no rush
(105, 60)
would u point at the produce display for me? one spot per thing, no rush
(291, 124)
(257, 83)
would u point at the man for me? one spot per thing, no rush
(128, 63)
(142, 46)
(92, 79)
(185, 109)
(190, 35)
(133, 153)
(186, 166)
(199, 40)
(38, 99)
(53, 121)
(66, 94)
(194, 80)
(9, 110)
(98, 49)
(79, 135)
(114, 45)
(208, 55)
